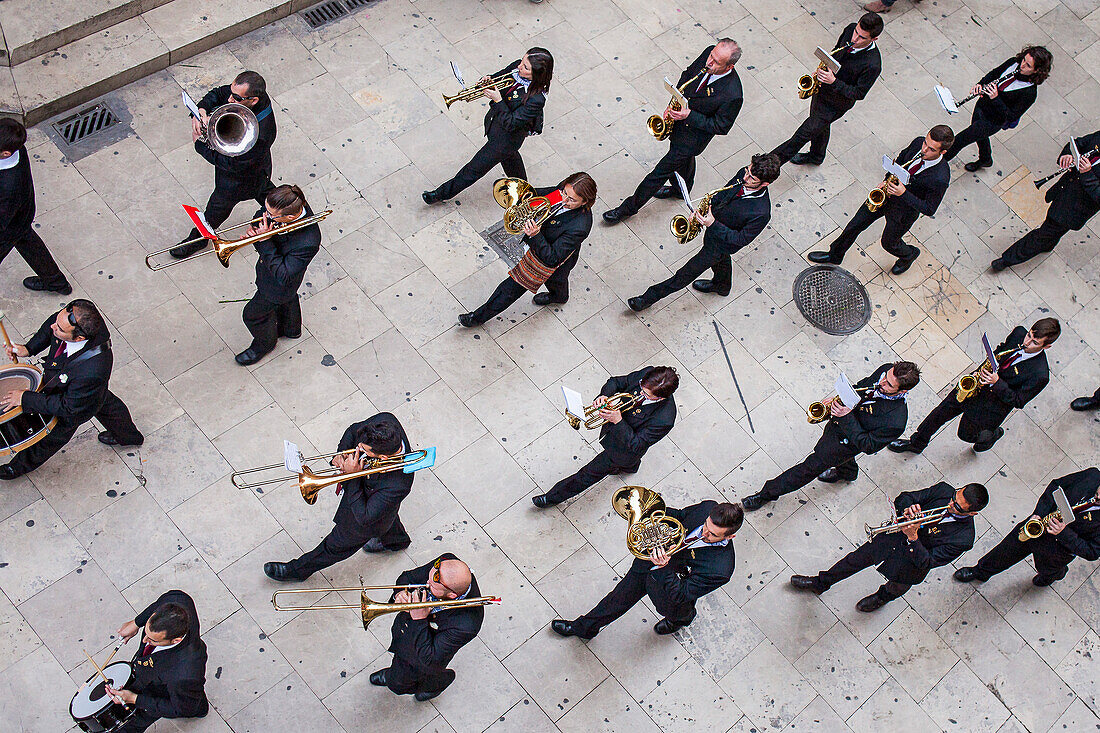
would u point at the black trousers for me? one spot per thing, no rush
(138, 722)
(33, 250)
(115, 418)
(588, 475)
(404, 679)
(626, 593)
(1035, 242)
(814, 130)
(711, 256)
(491, 153)
(223, 200)
(867, 555)
(891, 235)
(267, 320)
(509, 291)
(340, 544)
(943, 413)
(676, 160)
(979, 132)
(826, 455)
(1051, 559)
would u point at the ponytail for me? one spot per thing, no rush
(286, 197)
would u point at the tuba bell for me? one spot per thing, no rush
(648, 527)
(231, 130)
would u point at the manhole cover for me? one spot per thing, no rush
(832, 299)
(508, 246)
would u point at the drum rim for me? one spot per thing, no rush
(23, 445)
(17, 411)
(94, 675)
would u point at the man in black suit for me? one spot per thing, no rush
(627, 435)
(906, 557)
(1082, 404)
(714, 96)
(236, 178)
(673, 582)
(737, 215)
(928, 182)
(275, 310)
(74, 385)
(860, 65)
(1059, 543)
(425, 640)
(1022, 375)
(367, 516)
(17, 212)
(1006, 93)
(169, 668)
(555, 247)
(867, 428)
(1073, 200)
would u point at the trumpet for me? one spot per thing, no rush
(500, 82)
(969, 383)
(686, 228)
(521, 206)
(370, 609)
(648, 527)
(658, 126)
(876, 197)
(823, 410)
(1039, 183)
(1034, 528)
(808, 85)
(897, 524)
(621, 401)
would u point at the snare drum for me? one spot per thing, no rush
(20, 430)
(92, 708)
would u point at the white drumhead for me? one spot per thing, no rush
(83, 704)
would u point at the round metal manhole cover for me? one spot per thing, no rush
(832, 299)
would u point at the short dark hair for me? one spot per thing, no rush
(943, 135)
(12, 134)
(907, 374)
(872, 23)
(382, 436)
(286, 198)
(257, 87)
(728, 516)
(1047, 329)
(85, 318)
(170, 619)
(542, 70)
(1043, 60)
(976, 496)
(662, 381)
(765, 166)
(584, 186)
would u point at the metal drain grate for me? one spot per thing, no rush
(832, 299)
(508, 246)
(325, 13)
(86, 122)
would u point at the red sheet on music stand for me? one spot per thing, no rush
(200, 222)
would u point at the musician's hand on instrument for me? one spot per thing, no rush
(824, 76)
(419, 613)
(659, 557)
(838, 409)
(128, 630)
(196, 128)
(1084, 166)
(531, 229)
(16, 350)
(678, 114)
(1066, 161)
(1056, 525)
(347, 462)
(910, 532)
(990, 90)
(987, 377)
(124, 696)
(911, 512)
(895, 189)
(612, 416)
(706, 220)
(600, 400)
(493, 94)
(15, 397)
(976, 89)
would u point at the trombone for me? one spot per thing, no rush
(896, 524)
(370, 609)
(823, 410)
(621, 401)
(224, 248)
(808, 85)
(1039, 183)
(499, 82)
(235, 477)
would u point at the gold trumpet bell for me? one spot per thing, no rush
(807, 86)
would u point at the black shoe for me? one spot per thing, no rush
(561, 627)
(665, 627)
(965, 575)
(248, 356)
(1042, 581)
(977, 165)
(664, 192)
(1081, 404)
(291, 334)
(186, 250)
(983, 447)
(998, 265)
(872, 602)
(832, 475)
(752, 502)
(903, 264)
(431, 197)
(278, 571)
(108, 439)
(38, 284)
(806, 159)
(811, 583)
(614, 216)
(467, 320)
(425, 696)
(378, 678)
(637, 305)
(823, 258)
(375, 545)
(901, 445)
(7, 473)
(542, 501)
(545, 299)
(707, 286)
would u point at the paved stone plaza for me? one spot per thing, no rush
(97, 534)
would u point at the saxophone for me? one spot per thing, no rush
(686, 228)
(969, 384)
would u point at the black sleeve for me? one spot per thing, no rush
(866, 441)
(862, 85)
(435, 649)
(285, 267)
(75, 404)
(241, 164)
(734, 239)
(929, 203)
(637, 441)
(213, 99)
(614, 385)
(720, 122)
(1091, 184)
(556, 252)
(993, 75)
(186, 699)
(523, 115)
(1087, 548)
(686, 74)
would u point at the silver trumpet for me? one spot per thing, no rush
(897, 524)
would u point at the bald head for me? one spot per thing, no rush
(726, 53)
(455, 574)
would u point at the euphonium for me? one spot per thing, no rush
(658, 126)
(231, 129)
(822, 411)
(622, 401)
(808, 85)
(687, 228)
(1034, 528)
(969, 383)
(648, 527)
(521, 205)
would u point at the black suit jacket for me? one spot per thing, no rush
(243, 173)
(628, 440)
(169, 684)
(17, 200)
(1076, 196)
(937, 544)
(924, 191)
(737, 220)
(73, 388)
(713, 108)
(858, 72)
(1081, 537)
(871, 426)
(430, 644)
(368, 506)
(509, 121)
(1008, 107)
(562, 235)
(283, 260)
(1018, 385)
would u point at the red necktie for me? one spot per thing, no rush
(702, 82)
(147, 650)
(915, 167)
(60, 348)
(1004, 84)
(1011, 360)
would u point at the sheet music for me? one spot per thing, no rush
(1074, 152)
(684, 192)
(676, 93)
(1064, 507)
(292, 457)
(890, 166)
(574, 403)
(826, 58)
(190, 103)
(989, 353)
(844, 390)
(947, 99)
(458, 74)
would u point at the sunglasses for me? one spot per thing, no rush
(438, 577)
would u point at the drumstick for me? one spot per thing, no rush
(7, 340)
(115, 651)
(97, 669)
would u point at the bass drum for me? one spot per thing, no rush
(18, 429)
(92, 708)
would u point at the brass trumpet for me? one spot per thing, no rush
(648, 527)
(808, 85)
(897, 524)
(622, 401)
(876, 197)
(969, 383)
(521, 206)
(1034, 528)
(658, 126)
(686, 228)
(500, 82)
(823, 410)
(370, 609)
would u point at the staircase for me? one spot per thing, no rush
(59, 54)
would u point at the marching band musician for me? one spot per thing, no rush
(927, 185)
(736, 217)
(424, 641)
(1006, 93)
(860, 66)
(367, 517)
(905, 557)
(236, 178)
(714, 99)
(275, 310)
(1073, 199)
(74, 385)
(1020, 377)
(1055, 548)
(626, 435)
(17, 212)
(170, 667)
(869, 427)
(673, 582)
(513, 114)
(554, 247)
